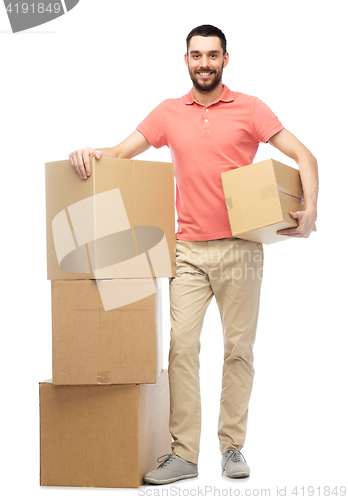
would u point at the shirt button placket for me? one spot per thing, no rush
(206, 125)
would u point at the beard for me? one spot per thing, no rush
(206, 86)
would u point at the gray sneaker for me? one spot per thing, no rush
(171, 468)
(234, 464)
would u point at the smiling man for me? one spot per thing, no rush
(211, 130)
(205, 61)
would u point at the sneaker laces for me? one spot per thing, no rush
(234, 455)
(166, 460)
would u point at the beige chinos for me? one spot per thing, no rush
(230, 269)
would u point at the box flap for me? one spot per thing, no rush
(287, 179)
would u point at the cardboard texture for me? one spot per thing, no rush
(259, 199)
(121, 345)
(102, 436)
(119, 223)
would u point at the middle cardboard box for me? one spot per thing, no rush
(106, 331)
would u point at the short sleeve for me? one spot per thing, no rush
(265, 122)
(152, 127)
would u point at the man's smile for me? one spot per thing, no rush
(205, 74)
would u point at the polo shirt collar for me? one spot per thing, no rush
(226, 96)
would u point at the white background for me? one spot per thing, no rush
(87, 79)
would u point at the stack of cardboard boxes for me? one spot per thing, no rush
(104, 416)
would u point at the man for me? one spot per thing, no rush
(211, 130)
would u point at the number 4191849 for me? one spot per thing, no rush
(319, 491)
(39, 8)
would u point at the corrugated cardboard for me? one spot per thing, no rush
(259, 199)
(121, 345)
(119, 223)
(102, 436)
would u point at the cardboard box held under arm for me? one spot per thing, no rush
(119, 223)
(259, 199)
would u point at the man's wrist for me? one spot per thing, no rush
(311, 208)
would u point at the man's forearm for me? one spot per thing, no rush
(109, 152)
(133, 145)
(117, 152)
(288, 144)
(308, 168)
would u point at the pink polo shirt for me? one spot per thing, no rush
(205, 141)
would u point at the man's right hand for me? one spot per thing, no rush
(79, 160)
(133, 145)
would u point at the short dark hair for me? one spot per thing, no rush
(207, 30)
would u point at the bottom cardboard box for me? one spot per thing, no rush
(102, 436)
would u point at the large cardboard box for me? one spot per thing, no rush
(119, 345)
(259, 199)
(119, 223)
(106, 436)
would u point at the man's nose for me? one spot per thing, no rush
(204, 61)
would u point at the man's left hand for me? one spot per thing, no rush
(305, 219)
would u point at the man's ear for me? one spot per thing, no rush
(186, 59)
(226, 59)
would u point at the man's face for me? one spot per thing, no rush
(205, 61)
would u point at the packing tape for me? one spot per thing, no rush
(298, 198)
(103, 378)
(229, 204)
(275, 189)
(290, 192)
(269, 192)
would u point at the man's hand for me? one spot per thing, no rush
(305, 219)
(79, 160)
(133, 145)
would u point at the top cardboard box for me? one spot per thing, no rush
(119, 223)
(259, 199)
